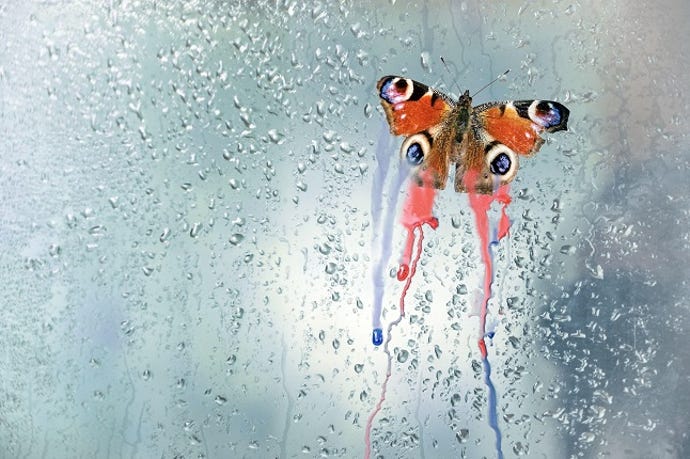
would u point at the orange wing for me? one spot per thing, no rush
(518, 124)
(410, 106)
(420, 113)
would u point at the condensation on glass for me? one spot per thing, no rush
(185, 229)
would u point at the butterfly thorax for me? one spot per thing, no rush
(463, 112)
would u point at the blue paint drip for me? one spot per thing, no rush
(377, 337)
(383, 224)
(379, 244)
(493, 404)
(493, 409)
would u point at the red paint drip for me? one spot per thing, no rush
(480, 204)
(403, 271)
(482, 348)
(417, 211)
(413, 269)
(384, 386)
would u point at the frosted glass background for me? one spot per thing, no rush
(185, 232)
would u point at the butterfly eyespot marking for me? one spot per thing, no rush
(501, 161)
(395, 90)
(500, 165)
(415, 156)
(415, 148)
(548, 114)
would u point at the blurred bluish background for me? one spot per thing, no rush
(185, 232)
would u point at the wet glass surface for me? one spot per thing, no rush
(186, 232)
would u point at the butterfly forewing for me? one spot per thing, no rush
(410, 106)
(518, 124)
(422, 114)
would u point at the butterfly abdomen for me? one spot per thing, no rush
(464, 112)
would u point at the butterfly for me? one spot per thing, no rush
(483, 142)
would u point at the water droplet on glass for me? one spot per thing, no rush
(567, 249)
(164, 235)
(196, 227)
(426, 61)
(329, 136)
(462, 435)
(403, 355)
(275, 136)
(97, 230)
(597, 271)
(54, 250)
(437, 351)
(236, 238)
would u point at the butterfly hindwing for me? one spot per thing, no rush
(486, 165)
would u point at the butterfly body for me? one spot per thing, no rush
(483, 142)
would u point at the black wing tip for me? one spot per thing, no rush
(565, 114)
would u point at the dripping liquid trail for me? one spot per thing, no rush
(386, 350)
(481, 205)
(483, 229)
(417, 211)
(382, 239)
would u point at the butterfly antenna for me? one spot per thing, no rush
(492, 82)
(445, 64)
